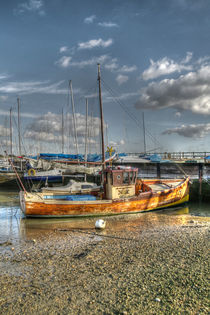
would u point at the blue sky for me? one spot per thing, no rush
(154, 56)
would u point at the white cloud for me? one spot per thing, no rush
(112, 65)
(23, 114)
(31, 6)
(190, 131)
(4, 132)
(48, 127)
(127, 69)
(64, 61)
(165, 66)
(3, 98)
(93, 43)
(188, 57)
(116, 144)
(122, 96)
(3, 76)
(32, 87)
(188, 92)
(89, 19)
(121, 79)
(178, 114)
(63, 49)
(40, 136)
(89, 62)
(108, 24)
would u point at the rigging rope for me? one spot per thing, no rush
(131, 115)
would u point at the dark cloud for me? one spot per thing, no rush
(188, 92)
(190, 131)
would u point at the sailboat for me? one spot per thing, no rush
(122, 192)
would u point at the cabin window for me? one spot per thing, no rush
(125, 178)
(119, 177)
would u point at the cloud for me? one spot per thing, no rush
(117, 144)
(4, 132)
(95, 43)
(121, 79)
(23, 114)
(187, 58)
(22, 88)
(127, 69)
(190, 131)
(40, 136)
(178, 114)
(89, 19)
(31, 6)
(3, 76)
(112, 65)
(64, 61)
(165, 66)
(188, 92)
(3, 98)
(89, 62)
(48, 127)
(63, 49)
(122, 97)
(108, 24)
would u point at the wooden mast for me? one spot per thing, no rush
(19, 139)
(101, 116)
(10, 128)
(62, 130)
(74, 118)
(145, 150)
(86, 131)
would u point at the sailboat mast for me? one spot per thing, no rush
(19, 140)
(62, 127)
(101, 116)
(144, 133)
(73, 113)
(86, 130)
(10, 125)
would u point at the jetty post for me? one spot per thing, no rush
(158, 170)
(200, 176)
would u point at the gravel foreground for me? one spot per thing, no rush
(142, 264)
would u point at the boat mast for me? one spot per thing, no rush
(144, 134)
(86, 131)
(10, 135)
(74, 120)
(62, 128)
(101, 116)
(19, 140)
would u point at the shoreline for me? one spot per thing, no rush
(147, 264)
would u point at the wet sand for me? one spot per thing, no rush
(142, 264)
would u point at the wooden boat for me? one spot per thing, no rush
(123, 193)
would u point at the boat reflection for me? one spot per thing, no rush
(41, 228)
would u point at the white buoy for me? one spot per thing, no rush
(100, 224)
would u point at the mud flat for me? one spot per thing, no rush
(142, 264)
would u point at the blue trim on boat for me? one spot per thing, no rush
(49, 178)
(71, 197)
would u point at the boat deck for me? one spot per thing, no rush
(163, 186)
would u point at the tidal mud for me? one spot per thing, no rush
(142, 264)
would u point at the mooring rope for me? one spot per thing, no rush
(96, 234)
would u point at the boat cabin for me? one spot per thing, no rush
(120, 182)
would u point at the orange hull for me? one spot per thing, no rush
(35, 206)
